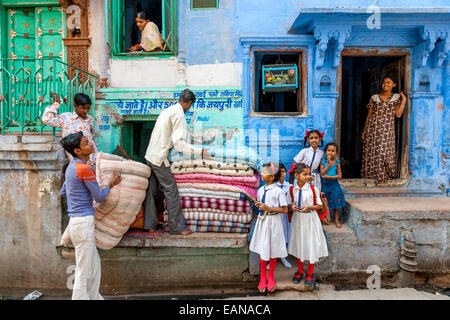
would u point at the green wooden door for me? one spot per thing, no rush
(34, 38)
(135, 138)
(49, 33)
(21, 39)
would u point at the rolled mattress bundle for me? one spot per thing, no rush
(115, 214)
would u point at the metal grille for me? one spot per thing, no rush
(26, 86)
(204, 4)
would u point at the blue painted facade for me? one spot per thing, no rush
(417, 30)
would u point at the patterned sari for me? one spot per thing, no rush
(151, 38)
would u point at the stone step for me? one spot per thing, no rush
(378, 192)
(283, 278)
(194, 240)
(399, 208)
(332, 229)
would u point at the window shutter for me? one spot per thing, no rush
(110, 24)
(120, 32)
(169, 24)
(114, 25)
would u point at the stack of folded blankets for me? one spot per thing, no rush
(217, 196)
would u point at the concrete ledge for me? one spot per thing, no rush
(26, 147)
(356, 192)
(378, 224)
(332, 229)
(188, 261)
(39, 139)
(195, 240)
(433, 208)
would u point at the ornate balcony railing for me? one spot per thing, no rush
(26, 87)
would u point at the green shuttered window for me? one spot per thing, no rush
(120, 21)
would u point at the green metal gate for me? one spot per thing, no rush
(26, 91)
(34, 68)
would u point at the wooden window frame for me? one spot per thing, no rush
(301, 92)
(115, 30)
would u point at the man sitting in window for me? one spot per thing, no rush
(151, 39)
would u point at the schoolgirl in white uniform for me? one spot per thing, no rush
(312, 156)
(307, 241)
(285, 185)
(268, 237)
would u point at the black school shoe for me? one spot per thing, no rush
(297, 278)
(310, 283)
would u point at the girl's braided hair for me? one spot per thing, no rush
(308, 134)
(296, 168)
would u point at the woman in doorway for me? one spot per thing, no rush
(151, 39)
(379, 153)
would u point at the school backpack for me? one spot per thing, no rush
(324, 213)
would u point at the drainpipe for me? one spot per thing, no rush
(446, 115)
(408, 264)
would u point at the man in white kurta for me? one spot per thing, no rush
(169, 132)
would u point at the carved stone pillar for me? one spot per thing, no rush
(77, 39)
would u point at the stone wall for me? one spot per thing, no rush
(375, 234)
(30, 212)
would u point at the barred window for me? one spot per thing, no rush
(204, 4)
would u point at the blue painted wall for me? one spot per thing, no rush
(418, 28)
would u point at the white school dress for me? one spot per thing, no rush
(307, 241)
(284, 219)
(312, 159)
(268, 237)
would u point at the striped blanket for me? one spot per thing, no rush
(216, 223)
(227, 153)
(252, 182)
(195, 192)
(250, 192)
(214, 215)
(211, 167)
(197, 228)
(241, 206)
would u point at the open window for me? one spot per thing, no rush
(122, 32)
(278, 85)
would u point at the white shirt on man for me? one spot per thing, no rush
(169, 132)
